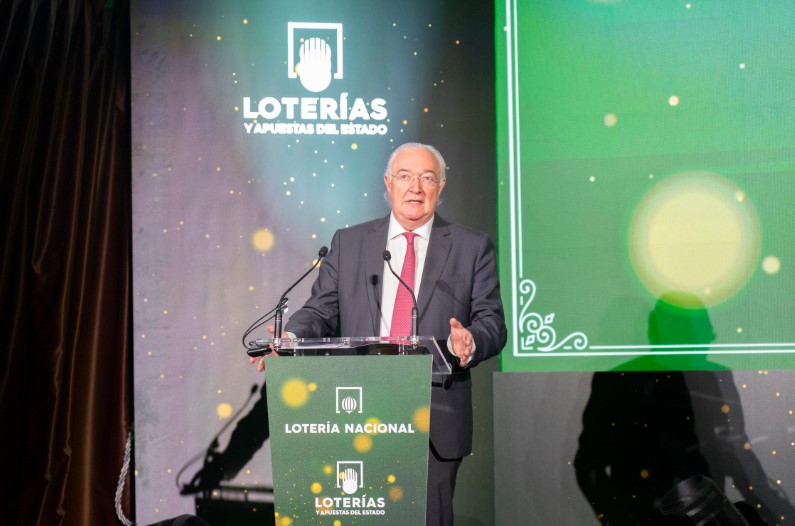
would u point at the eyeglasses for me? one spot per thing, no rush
(425, 179)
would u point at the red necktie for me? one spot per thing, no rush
(401, 314)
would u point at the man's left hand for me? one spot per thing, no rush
(460, 342)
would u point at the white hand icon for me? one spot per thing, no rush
(350, 481)
(314, 69)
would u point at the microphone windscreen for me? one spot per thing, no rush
(323, 251)
(387, 255)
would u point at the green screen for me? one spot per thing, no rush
(646, 184)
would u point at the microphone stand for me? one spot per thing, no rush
(415, 314)
(277, 332)
(414, 339)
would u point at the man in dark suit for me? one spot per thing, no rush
(455, 279)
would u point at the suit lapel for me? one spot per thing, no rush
(436, 258)
(374, 246)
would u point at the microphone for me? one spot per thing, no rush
(414, 309)
(277, 333)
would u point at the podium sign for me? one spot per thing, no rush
(349, 438)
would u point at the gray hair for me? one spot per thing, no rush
(428, 147)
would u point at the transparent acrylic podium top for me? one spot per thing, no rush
(353, 346)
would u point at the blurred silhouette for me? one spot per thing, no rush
(249, 435)
(224, 504)
(646, 429)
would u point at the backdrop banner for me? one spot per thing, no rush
(259, 129)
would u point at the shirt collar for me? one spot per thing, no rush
(396, 230)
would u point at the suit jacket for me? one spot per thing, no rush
(459, 280)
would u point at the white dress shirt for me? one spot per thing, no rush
(396, 244)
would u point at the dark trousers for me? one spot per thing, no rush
(441, 488)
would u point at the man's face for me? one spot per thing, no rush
(413, 202)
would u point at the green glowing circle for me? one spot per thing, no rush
(695, 232)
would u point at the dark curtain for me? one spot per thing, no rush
(65, 388)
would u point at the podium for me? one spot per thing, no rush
(350, 428)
